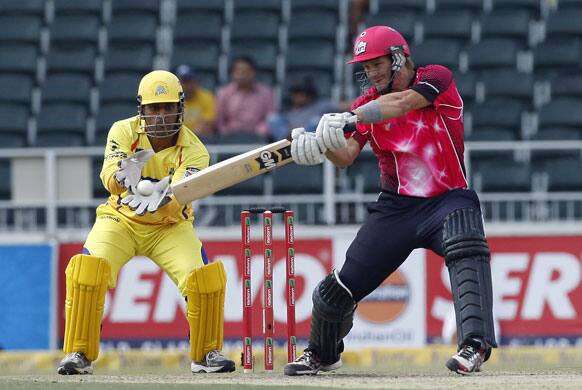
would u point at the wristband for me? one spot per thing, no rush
(370, 112)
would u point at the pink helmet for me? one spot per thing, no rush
(376, 42)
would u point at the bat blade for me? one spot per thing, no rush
(232, 171)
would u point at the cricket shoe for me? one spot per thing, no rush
(308, 364)
(469, 358)
(214, 361)
(75, 363)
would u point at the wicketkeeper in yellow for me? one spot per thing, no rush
(153, 145)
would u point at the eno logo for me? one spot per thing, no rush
(267, 159)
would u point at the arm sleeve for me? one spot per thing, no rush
(118, 147)
(434, 80)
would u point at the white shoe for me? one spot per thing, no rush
(308, 364)
(75, 363)
(469, 359)
(213, 362)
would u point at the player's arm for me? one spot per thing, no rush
(390, 106)
(344, 157)
(118, 147)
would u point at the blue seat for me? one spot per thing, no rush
(561, 177)
(18, 59)
(244, 27)
(208, 27)
(301, 27)
(508, 84)
(63, 88)
(290, 180)
(5, 179)
(16, 88)
(466, 84)
(129, 58)
(564, 24)
(198, 54)
(531, 6)
(417, 6)
(151, 7)
(561, 113)
(13, 125)
(85, 7)
(448, 24)
(474, 6)
(481, 58)
(504, 176)
(310, 56)
(403, 21)
(23, 7)
(506, 24)
(566, 85)
(127, 29)
(444, 52)
(557, 56)
(108, 114)
(61, 125)
(20, 29)
(497, 115)
(119, 87)
(72, 59)
(75, 29)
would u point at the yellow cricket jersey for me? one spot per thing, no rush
(125, 138)
(200, 107)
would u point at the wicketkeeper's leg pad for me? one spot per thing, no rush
(467, 258)
(205, 309)
(86, 279)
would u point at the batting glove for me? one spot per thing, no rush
(330, 130)
(304, 148)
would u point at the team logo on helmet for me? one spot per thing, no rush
(161, 90)
(360, 48)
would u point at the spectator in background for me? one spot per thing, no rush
(199, 104)
(305, 110)
(244, 103)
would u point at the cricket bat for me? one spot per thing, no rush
(232, 171)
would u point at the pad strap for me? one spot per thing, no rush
(86, 279)
(468, 261)
(204, 291)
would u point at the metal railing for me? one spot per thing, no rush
(55, 218)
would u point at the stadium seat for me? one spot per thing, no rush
(564, 24)
(85, 7)
(119, 87)
(561, 113)
(5, 179)
(566, 85)
(61, 125)
(268, 6)
(508, 84)
(403, 21)
(68, 59)
(323, 81)
(310, 56)
(497, 115)
(127, 29)
(133, 7)
(417, 6)
(569, 4)
(110, 113)
(301, 27)
(72, 88)
(493, 53)
(18, 59)
(23, 7)
(437, 51)
(531, 6)
(331, 6)
(254, 186)
(20, 29)
(290, 180)
(466, 84)
(558, 134)
(263, 53)
(198, 54)
(13, 125)
(474, 6)
(129, 58)
(215, 7)
(448, 24)
(563, 175)
(512, 24)
(75, 29)
(16, 88)
(503, 176)
(553, 57)
(244, 27)
(208, 27)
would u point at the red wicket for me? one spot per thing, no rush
(268, 320)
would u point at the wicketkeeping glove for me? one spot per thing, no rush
(140, 203)
(129, 172)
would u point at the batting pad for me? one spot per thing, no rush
(87, 278)
(205, 309)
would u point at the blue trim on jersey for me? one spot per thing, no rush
(86, 251)
(204, 256)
